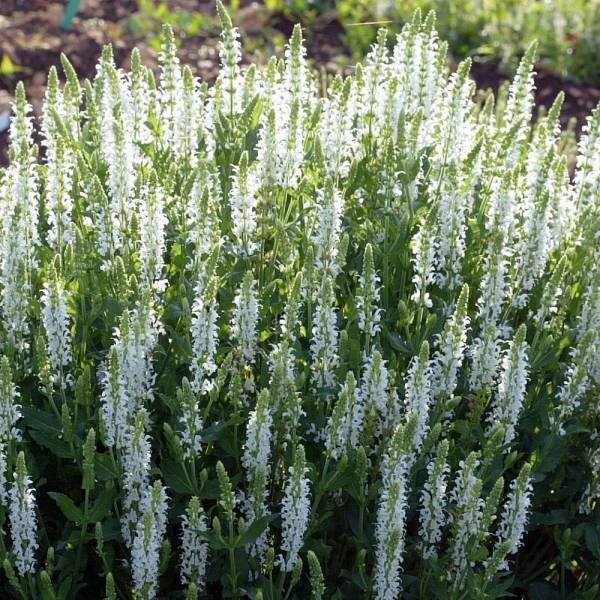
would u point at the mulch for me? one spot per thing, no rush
(30, 35)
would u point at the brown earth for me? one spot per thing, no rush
(31, 37)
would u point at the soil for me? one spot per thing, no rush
(30, 35)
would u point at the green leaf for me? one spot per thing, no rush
(543, 590)
(397, 344)
(57, 446)
(67, 506)
(592, 539)
(215, 542)
(253, 532)
(102, 505)
(175, 477)
(554, 517)
(105, 467)
(551, 455)
(65, 588)
(41, 421)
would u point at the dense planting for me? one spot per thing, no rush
(265, 339)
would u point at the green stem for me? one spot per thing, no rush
(84, 524)
(232, 563)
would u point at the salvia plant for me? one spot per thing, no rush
(265, 340)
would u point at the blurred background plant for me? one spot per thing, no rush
(151, 15)
(568, 31)
(494, 33)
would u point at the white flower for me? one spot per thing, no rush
(451, 344)
(589, 319)
(374, 386)
(243, 200)
(136, 476)
(520, 103)
(431, 515)
(23, 520)
(282, 371)
(295, 511)
(577, 379)
(509, 398)
(451, 231)
(367, 298)
(390, 532)
(391, 513)
(266, 150)
(346, 422)
(172, 125)
(194, 548)
(145, 550)
(117, 148)
(255, 460)
(454, 123)
(3, 471)
(423, 249)
(416, 63)
(57, 325)
(485, 355)
(245, 319)
(204, 335)
(418, 392)
(190, 420)
(153, 223)
(372, 92)
(143, 97)
(230, 54)
(10, 410)
(468, 512)
(324, 342)
(59, 195)
(328, 227)
(128, 377)
(514, 515)
(336, 129)
(201, 218)
(19, 236)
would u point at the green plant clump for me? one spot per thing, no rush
(258, 343)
